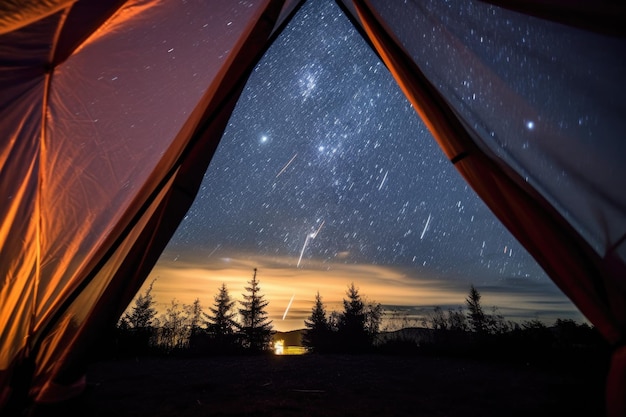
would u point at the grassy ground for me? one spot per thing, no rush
(333, 385)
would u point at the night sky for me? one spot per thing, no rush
(326, 170)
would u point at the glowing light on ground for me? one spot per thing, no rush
(279, 347)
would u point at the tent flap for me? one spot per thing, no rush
(571, 214)
(134, 109)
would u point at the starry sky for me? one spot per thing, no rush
(326, 175)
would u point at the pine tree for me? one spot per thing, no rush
(475, 315)
(352, 328)
(256, 329)
(317, 334)
(138, 326)
(221, 323)
(143, 312)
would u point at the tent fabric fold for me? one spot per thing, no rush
(107, 149)
(110, 112)
(15, 14)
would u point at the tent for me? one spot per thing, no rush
(110, 112)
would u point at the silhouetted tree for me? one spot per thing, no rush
(195, 317)
(535, 335)
(568, 333)
(373, 319)
(457, 320)
(221, 323)
(317, 335)
(359, 323)
(446, 320)
(143, 312)
(437, 319)
(175, 329)
(495, 322)
(136, 329)
(256, 329)
(475, 314)
(333, 321)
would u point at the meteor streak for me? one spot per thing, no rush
(288, 163)
(214, 250)
(383, 181)
(425, 227)
(306, 241)
(289, 306)
(314, 235)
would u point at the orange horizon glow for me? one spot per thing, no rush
(186, 280)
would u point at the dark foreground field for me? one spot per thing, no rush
(334, 385)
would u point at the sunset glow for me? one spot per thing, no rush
(187, 278)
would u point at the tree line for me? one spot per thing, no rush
(232, 326)
(353, 330)
(188, 328)
(243, 326)
(471, 330)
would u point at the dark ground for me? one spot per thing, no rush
(335, 385)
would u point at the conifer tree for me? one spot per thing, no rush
(359, 323)
(317, 334)
(138, 327)
(221, 322)
(256, 328)
(143, 312)
(475, 314)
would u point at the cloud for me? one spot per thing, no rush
(189, 276)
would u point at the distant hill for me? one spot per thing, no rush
(415, 334)
(291, 338)
(418, 335)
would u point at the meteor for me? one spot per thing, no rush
(289, 306)
(214, 250)
(314, 235)
(425, 227)
(383, 181)
(285, 167)
(306, 241)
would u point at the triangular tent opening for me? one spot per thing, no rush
(96, 172)
(323, 143)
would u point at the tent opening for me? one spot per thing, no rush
(326, 175)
